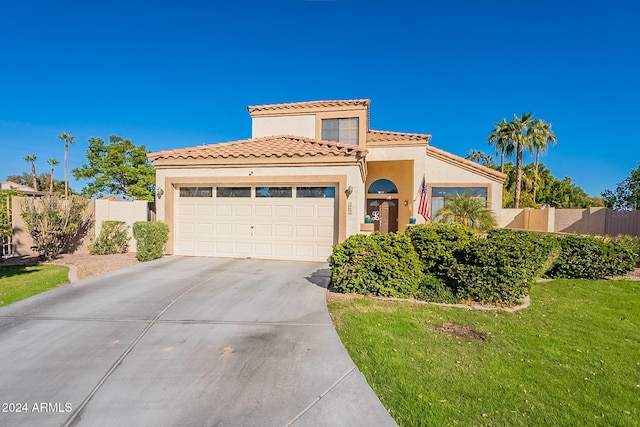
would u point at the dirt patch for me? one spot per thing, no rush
(460, 331)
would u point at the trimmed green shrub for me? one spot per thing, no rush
(433, 289)
(151, 238)
(501, 268)
(378, 264)
(436, 244)
(113, 239)
(589, 257)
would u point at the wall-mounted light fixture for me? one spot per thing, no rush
(348, 191)
(160, 193)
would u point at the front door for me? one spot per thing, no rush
(384, 214)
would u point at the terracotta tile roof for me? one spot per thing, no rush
(309, 104)
(465, 163)
(378, 136)
(269, 146)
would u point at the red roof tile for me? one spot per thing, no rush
(269, 146)
(386, 136)
(309, 104)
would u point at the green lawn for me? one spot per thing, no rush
(571, 358)
(19, 282)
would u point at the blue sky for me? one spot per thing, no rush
(170, 74)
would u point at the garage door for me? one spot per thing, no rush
(269, 222)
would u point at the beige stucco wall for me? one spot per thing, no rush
(350, 210)
(302, 125)
(412, 157)
(442, 174)
(22, 241)
(581, 221)
(129, 212)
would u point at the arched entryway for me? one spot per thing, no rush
(382, 205)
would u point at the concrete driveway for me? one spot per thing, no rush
(183, 341)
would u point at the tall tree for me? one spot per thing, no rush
(517, 133)
(626, 196)
(504, 147)
(542, 137)
(53, 163)
(117, 167)
(31, 158)
(68, 140)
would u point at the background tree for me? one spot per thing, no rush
(117, 167)
(31, 158)
(498, 137)
(542, 137)
(468, 210)
(626, 196)
(43, 181)
(68, 140)
(53, 163)
(480, 157)
(553, 192)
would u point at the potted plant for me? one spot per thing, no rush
(412, 220)
(367, 219)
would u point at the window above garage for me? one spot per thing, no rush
(341, 130)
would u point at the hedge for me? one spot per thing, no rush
(151, 238)
(437, 243)
(589, 257)
(378, 264)
(502, 267)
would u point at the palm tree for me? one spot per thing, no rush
(469, 210)
(542, 138)
(504, 147)
(53, 163)
(518, 132)
(68, 139)
(32, 159)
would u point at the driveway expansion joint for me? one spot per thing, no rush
(76, 415)
(319, 398)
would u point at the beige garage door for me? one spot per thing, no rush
(268, 222)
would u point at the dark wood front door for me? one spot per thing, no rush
(384, 214)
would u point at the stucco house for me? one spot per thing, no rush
(304, 181)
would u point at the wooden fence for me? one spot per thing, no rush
(622, 222)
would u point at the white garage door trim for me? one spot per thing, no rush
(292, 227)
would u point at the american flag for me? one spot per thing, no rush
(423, 207)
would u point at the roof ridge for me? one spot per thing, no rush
(466, 162)
(305, 104)
(266, 146)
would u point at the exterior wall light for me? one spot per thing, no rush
(160, 193)
(348, 191)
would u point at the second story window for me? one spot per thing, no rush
(341, 130)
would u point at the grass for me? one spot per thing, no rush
(571, 358)
(19, 282)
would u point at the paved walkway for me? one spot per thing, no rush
(183, 341)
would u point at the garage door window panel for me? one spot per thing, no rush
(196, 191)
(313, 192)
(233, 191)
(274, 192)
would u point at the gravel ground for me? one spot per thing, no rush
(91, 265)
